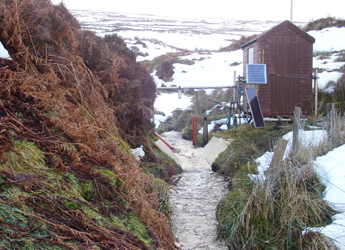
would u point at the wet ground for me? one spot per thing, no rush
(194, 199)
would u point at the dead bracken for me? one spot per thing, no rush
(71, 106)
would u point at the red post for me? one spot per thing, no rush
(195, 129)
(165, 142)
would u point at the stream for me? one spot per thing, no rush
(194, 198)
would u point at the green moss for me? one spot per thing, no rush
(118, 222)
(114, 180)
(86, 189)
(98, 218)
(72, 178)
(71, 204)
(139, 229)
(27, 162)
(15, 217)
(129, 223)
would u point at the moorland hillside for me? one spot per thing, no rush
(71, 106)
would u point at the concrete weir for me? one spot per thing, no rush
(214, 147)
(194, 198)
(166, 149)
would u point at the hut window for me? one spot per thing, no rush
(251, 55)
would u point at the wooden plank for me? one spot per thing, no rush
(205, 131)
(277, 158)
(295, 135)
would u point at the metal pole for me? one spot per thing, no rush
(330, 112)
(291, 11)
(234, 78)
(316, 91)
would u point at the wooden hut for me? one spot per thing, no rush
(287, 52)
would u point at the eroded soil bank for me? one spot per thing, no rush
(194, 199)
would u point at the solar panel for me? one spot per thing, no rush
(254, 105)
(256, 73)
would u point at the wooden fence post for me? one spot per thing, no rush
(205, 132)
(296, 123)
(330, 112)
(278, 155)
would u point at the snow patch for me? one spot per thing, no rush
(138, 153)
(4, 52)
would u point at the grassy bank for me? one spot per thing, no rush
(249, 143)
(272, 213)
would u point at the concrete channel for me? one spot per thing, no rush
(195, 197)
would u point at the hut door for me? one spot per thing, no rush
(287, 92)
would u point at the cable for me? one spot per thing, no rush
(294, 77)
(239, 91)
(228, 120)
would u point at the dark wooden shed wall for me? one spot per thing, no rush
(285, 52)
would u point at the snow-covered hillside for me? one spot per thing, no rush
(156, 35)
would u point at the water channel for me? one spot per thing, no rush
(194, 199)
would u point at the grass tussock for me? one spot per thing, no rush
(334, 126)
(323, 23)
(237, 44)
(334, 92)
(273, 213)
(249, 143)
(164, 64)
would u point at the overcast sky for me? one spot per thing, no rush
(303, 10)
